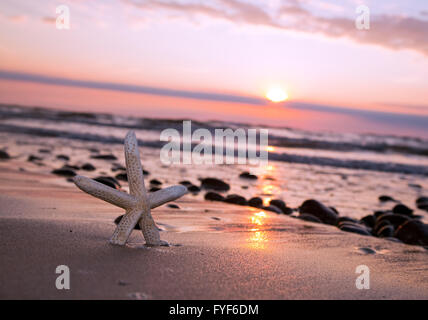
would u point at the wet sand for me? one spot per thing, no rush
(218, 251)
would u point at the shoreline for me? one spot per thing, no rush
(207, 259)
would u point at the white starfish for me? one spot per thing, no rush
(137, 204)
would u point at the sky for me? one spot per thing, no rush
(215, 60)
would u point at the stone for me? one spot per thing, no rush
(369, 220)
(255, 202)
(32, 158)
(386, 231)
(279, 204)
(395, 219)
(122, 176)
(354, 229)
(63, 157)
(4, 155)
(309, 217)
(214, 184)
(109, 181)
(413, 232)
(104, 157)
(173, 206)
(64, 172)
(155, 182)
(402, 209)
(213, 196)
(236, 199)
(247, 175)
(193, 189)
(88, 167)
(386, 198)
(318, 210)
(272, 208)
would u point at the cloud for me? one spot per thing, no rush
(197, 95)
(49, 20)
(389, 31)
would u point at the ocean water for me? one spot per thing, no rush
(347, 171)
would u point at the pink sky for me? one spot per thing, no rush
(235, 48)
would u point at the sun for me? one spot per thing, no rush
(276, 95)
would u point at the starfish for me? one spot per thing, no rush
(137, 203)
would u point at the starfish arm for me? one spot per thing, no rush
(137, 189)
(103, 192)
(133, 167)
(150, 231)
(162, 196)
(125, 227)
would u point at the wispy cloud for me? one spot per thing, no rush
(390, 31)
(198, 95)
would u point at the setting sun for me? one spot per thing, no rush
(276, 95)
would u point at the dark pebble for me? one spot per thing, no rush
(379, 225)
(255, 202)
(381, 212)
(369, 220)
(386, 198)
(413, 232)
(32, 158)
(402, 209)
(119, 218)
(193, 189)
(154, 189)
(309, 217)
(117, 167)
(273, 209)
(319, 210)
(340, 220)
(214, 184)
(236, 199)
(4, 155)
(279, 204)
(155, 182)
(185, 183)
(354, 229)
(63, 157)
(386, 231)
(64, 172)
(88, 167)
(71, 167)
(108, 181)
(247, 175)
(213, 196)
(44, 151)
(288, 211)
(104, 157)
(335, 210)
(145, 172)
(421, 200)
(121, 177)
(173, 205)
(395, 219)
(422, 203)
(415, 185)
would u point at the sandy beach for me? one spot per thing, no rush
(214, 254)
